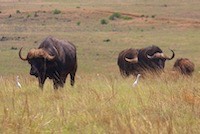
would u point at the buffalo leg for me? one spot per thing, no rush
(41, 86)
(55, 84)
(72, 78)
(41, 82)
(59, 83)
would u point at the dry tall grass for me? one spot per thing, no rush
(100, 104)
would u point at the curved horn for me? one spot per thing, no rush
(36, 53)
(173, 54)
(134, 60)
(20, 56)
(48, 56)
(43, 53)
(161, 55)
(156, 55)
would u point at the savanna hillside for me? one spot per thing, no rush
(101, 101)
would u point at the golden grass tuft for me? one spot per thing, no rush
(102, 105)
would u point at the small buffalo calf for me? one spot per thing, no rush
(184, 66)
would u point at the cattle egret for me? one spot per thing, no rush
(136, 81)
(18, 84)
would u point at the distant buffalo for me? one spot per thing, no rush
(54, 59)
(135, 61)
(184, 66)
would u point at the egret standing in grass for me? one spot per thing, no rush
(17, 82)
(136, 81)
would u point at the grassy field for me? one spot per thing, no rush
(101, 101)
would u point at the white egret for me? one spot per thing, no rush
(136, 81)
(17, 82)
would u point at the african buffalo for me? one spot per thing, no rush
(54, 59)
(184, 66)
(135, 61)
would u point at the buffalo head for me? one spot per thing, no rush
(135, 61)
(38, 59)
(160, 58)
(126, 58)
(157, 58)
(161, 55)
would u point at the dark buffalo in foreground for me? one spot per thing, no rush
(135, 61)
(184, 66)
(53, 59)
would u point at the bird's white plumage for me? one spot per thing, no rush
(136, 81)
(17, 82)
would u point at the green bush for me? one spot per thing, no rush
(127, 18)
(78, 23)
(18, 11)
(106, 40)
(142, 15)
(153, 16)
(56, 11)
(114, 16)
(104, 22)
(28, 16)
(13, 48)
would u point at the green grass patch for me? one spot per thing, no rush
(127, 18)
(78, 23)
(115, 16)
(18, 11)
(56, 11)
(104, 22)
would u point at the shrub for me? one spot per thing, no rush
(56, 11)
(127, 18)
(153, 16)
(78, 23)
(28, 16)
(142, 16)
(18, 11)
(106, 40)
(114, 16)
(13, 48)
(104, 22)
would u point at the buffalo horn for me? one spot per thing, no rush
(161, 55)
(173, 54)
(134, 60)
(20, 56)
(41, 53)
(156, 55)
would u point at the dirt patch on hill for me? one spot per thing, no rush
(70, 19)
(159, 20)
